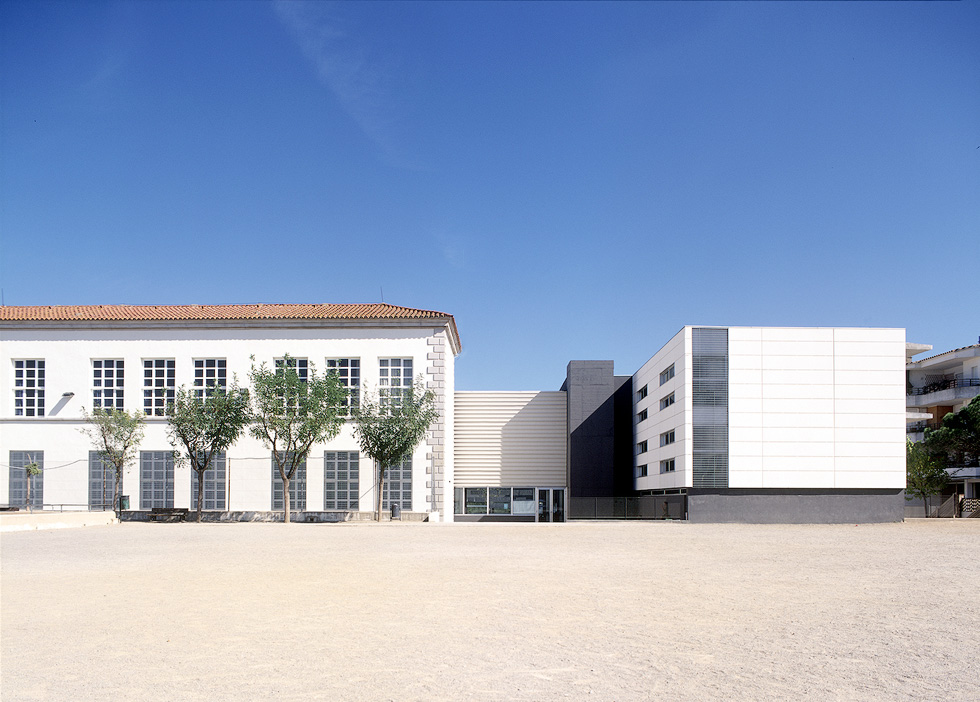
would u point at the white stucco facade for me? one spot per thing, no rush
(69, 350)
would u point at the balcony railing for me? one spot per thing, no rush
(921, 426)
(945, 385)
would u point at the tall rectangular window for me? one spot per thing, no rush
(709, 390)
(297, 488)
(107, 384)
(210, 374)
(398, 486)
(341, 479)
(156, 479)
(394, 378)
(159, 385)
(17, 496)
(215, 484)
(667, 438)
(348, 370)
(667, 374)
(29, 388)
(101, 482)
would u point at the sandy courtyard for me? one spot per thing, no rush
(599, 611)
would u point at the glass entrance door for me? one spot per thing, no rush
(558, 505)
(544, 505)
(551, 504)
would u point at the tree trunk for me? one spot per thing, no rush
(381, 490)
(200, 494)
(285, 499)
(925, 505)
(115, 494)
(28, 504)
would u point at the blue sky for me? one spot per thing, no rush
(569, 180)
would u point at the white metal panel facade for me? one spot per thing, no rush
(510, 439)
(816, 408)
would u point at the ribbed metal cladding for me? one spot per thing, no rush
(710, 400)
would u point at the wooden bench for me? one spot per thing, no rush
(168, 514)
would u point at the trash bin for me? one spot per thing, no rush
(123, 502)
(396, 511)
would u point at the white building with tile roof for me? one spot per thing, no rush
(58, 360)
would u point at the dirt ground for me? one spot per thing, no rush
(597, 611)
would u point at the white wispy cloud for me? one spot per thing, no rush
(343, 65)
(452, 250)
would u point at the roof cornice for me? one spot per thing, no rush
(281, 316)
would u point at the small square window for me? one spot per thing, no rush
(210, 374)
(643, 414)
(642, 447)
(666, 402)
(667, 438)
(667, 374)
(641, 471)
(667, 466)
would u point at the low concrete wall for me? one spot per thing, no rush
(299, 517)
(27, 521)
(795, 506)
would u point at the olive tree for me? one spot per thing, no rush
(204, 422)
(31, 469)
(292, 409)
(925, 474)
(957, 441)
(390, 424)
(116, 435)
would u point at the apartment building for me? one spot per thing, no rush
(937, 386)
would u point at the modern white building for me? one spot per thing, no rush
(803, 424)
(722, 424)
(56, 361)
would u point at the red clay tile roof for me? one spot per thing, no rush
(141, 313)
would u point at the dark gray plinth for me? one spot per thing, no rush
(746, 506)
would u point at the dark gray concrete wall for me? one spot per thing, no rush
(624, 438)
(599, 429)
(796, 506)
(589, 389)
